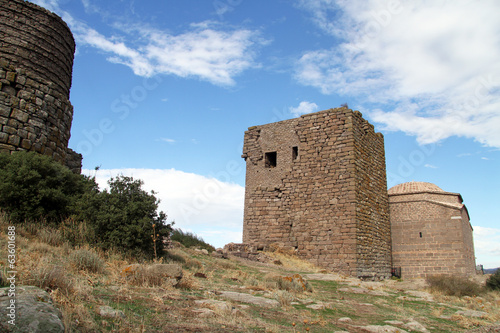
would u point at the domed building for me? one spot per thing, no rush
(431, 232)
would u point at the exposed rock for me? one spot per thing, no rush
(215, 304)
(415, 326)
(219, 253)
(166, 270)
(34, 311)
(380, 329)
(318, 306)
(344, 320)
(246, 298)
(472, 313)
(204, 312)
(108, 312)
(394, 322)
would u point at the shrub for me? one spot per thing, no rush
(493, 282)
(34, 187)
(87, 260)
(452, 285)
(50, 236)
(77, 233)
(189, 239)
(52, 277)
(123, 217)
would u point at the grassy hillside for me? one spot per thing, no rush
(214, 294)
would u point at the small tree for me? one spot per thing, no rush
(123, 217)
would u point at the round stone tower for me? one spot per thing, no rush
(36, 62)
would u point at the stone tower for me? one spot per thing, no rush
(318, 183)
(36, 62)
(431, 232)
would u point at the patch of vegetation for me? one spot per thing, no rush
(34, 187)
(189, 239)
(37, 191)
(87, 260)
(452, 285)
(493, 282)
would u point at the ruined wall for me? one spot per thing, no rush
(325, 193)
(36, 59)
(372, 207)
(431, 237)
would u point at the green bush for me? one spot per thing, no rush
(35, 188)
(189, 239)
(452, 285)
(493, 282)
(123, 217)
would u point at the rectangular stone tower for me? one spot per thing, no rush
(318, 183)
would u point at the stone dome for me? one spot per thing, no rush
(414, 187)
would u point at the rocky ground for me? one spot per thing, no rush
(196, 291)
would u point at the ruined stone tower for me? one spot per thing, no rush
(36, 61)
(318, 183)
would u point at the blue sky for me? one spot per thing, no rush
(164, 90)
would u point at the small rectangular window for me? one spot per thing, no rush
(420, 235)
(270, 159)
(295, 153)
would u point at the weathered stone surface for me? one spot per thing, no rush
(37, 58)
(431, 232)
(415, 326)
(108, 312)
(472, 313)
(34, 311)
(246, 298)
(214, 304)
(166, 270)
(380, 329)
(317, 184)
(345, 320)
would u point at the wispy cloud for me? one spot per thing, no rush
(303, 108)
(430, 166)
(168, 140)
(432, 64)
(204, 205)
(204, 51)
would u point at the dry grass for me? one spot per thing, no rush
(87, 260)
(452, 285)
(154, 305)
(292, 262)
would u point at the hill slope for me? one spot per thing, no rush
(231, 295)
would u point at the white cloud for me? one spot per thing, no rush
(203, 52)
(436, 62)
(211, 208)
(430, 166)
(487, 246)
(303, 108)
(171, 141)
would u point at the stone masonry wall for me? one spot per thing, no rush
(36, 59)
(372, 208)
(430, 238)
(313, 198)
